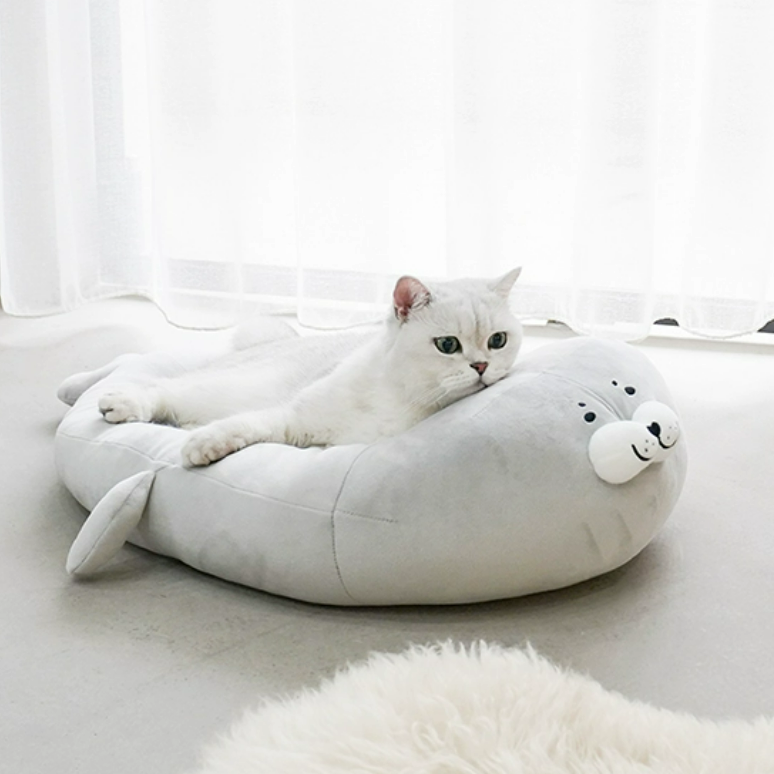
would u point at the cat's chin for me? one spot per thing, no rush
(492, 378)
(470, 390)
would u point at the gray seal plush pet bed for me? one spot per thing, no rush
(564, 470)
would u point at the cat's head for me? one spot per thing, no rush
(455, 337)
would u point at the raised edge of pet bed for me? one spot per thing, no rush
(552, 476)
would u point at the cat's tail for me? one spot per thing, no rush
(261, 330)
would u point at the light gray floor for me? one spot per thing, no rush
(133, 671)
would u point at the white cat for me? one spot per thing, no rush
(442, 342)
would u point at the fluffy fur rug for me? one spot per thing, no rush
(486, 710)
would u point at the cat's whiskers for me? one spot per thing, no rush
(458, 380)
(427, 399)
(434, 397)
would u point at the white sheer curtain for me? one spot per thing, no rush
(229, 156)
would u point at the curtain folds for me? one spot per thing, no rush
(226, 157)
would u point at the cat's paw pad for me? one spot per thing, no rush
(210, 445)
(123, 406)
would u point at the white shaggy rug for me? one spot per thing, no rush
(485, 710)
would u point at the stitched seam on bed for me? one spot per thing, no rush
(120, 445)
(268, 498)
(161, 464)
(333, 522)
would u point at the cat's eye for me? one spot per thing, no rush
(447, 344)
(498, 340)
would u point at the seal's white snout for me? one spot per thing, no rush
(620, 450)
(661, 422)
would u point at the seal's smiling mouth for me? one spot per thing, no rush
(654, 428)
(639, 456)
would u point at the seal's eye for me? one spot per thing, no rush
(448, 345)
(498, 340)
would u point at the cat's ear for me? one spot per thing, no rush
(409, 295)
(503, 285)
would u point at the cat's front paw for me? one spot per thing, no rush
(124, 406)
(210, 444)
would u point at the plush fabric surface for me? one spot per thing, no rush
(495, 496)
(485, 710)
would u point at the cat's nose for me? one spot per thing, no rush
(479, 367)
